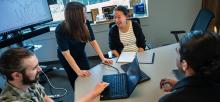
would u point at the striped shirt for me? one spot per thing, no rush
(128, 39)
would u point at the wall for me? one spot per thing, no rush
(164, 16)
(107, 3)
(167, 15)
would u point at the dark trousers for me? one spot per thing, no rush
(70, 72)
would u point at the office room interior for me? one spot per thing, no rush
(163, 17)
(158, 20)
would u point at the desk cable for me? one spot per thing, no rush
(55, 95)
(112, 67)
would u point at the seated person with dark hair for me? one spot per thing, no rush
(21, 69)
(126, 35)
(199, 60)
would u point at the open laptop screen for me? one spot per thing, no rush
(133, 75)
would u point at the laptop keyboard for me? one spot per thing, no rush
(143, 77)
(117, 85)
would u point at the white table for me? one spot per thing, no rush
(164, 62)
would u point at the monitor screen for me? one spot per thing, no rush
(108, 9)
(18, 14)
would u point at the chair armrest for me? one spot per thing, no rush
(177, 32)
(149, 46)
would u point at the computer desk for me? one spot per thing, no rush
(164, 62)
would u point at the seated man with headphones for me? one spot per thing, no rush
(21, 69)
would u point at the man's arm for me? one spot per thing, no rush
(94, 93)
(48, 99)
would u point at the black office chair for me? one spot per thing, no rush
(201, 22)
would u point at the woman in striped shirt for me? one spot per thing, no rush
(126, 35)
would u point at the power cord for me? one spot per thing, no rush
(55, 95)
(112, 67)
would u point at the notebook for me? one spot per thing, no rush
(146, 57)
(123, 84)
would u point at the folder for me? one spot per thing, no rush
(146, 57)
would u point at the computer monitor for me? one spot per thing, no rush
(108, 9)
(139, 8)
(20, 14)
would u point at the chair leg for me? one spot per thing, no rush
(176, 37)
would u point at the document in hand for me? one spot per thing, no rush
(146, 57)
(126, 57)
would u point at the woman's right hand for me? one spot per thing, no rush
(167, 84)
(83, 73)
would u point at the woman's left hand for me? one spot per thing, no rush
(107, 61)
(140, 49)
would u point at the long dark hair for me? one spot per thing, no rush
(201, 50)
(74, 23)
(123, 9)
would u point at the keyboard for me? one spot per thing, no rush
(117, 86)
(143, 77)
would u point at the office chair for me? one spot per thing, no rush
(201, 22)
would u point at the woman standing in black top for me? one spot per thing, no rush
(72, 35)
(199, 60)
(126, 35)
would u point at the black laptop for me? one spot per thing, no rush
(121, 85)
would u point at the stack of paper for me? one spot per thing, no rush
(126, 57)
(146, 57)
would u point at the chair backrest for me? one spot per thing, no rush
(133, 19)
(111, 24)
(202, 20)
